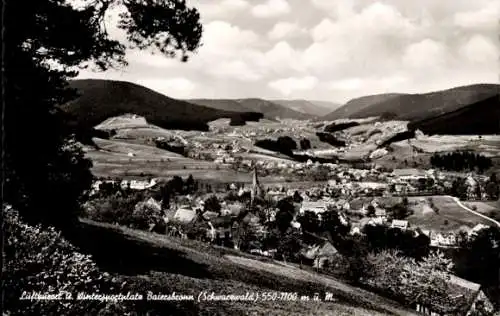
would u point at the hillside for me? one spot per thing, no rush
(164, 265)
(352, 107)
(416, 106)
(482, 117)
(102, 99)
(317, 108)
(270, 109)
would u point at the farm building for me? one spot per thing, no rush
(319, 255)
(464, 298)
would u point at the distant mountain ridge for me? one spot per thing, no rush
(312, 107)
(102, 99)
(415, 106)
(352, 107)
(270, 109)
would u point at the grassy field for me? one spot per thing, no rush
(159, 263)
(451, 216)
(490, 209)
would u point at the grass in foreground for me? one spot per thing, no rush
(159, 263)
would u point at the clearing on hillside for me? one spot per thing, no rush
(450, 215)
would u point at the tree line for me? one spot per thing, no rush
(461, 161)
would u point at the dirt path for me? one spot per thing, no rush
(474, 212)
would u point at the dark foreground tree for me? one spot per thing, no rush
(46, 42)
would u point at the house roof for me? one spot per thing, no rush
(310, 204)
(222, 221)
(357, 204)
(324, 249)
(408, 172)
(461, 295)
(184, 215)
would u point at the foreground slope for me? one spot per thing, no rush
(270, 109)
(416, 106)
(187, 267)
(102, 99)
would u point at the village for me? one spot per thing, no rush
(365, 196)
(357, 202)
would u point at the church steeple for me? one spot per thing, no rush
(256, 188)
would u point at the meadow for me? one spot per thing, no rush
(450, 217)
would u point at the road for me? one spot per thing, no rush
(474, 212)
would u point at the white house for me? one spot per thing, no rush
(316, 207)
(399, 224)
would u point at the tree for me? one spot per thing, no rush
(480, 257)
(305, 144)
(297, 198)
(424, 285)
(492, 190)
(493, 178)
(289, 245)
(309, 222)
(399, 211)
(386, 268)
(46, 175)
(371, 211)
(285, 214)
(335, 223)
(190, 184)
(212, 204)
(176, 185)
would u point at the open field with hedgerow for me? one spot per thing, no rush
(150, 261)
(449, 216)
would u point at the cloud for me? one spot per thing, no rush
(325, 49)
(485, 18)
(347, 84)
(369, 85)
(235, 69)
(335, 8)
(368, 40)
(283, 58)
(425, 55)
(220, 9)
(156, 60)
(479, 50)
(222, 36)
(282, 30)
(173, 87)
(271, 8)
(288, 85)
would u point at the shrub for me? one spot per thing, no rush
(41, 260)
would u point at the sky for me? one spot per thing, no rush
(331, 50)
